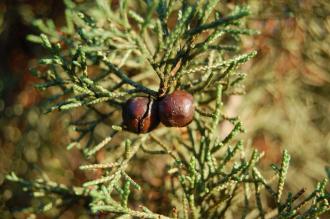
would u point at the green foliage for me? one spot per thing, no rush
(288, 84)
(108, 53)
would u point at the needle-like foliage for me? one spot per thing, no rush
(108, 52)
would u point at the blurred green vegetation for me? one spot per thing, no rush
(287, 103)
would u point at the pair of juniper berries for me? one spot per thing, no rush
(143, 114)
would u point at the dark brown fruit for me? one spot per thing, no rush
(140, 115)
(177, 109)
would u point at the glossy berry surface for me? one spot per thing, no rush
(140, 115)
(176, 109)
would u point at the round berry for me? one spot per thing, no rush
(140, 115)
(176, 109)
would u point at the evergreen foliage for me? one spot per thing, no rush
(108, 53)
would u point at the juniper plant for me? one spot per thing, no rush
(109, 52)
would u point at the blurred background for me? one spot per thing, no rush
(287, 101)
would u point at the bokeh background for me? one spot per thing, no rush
(287, 101)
